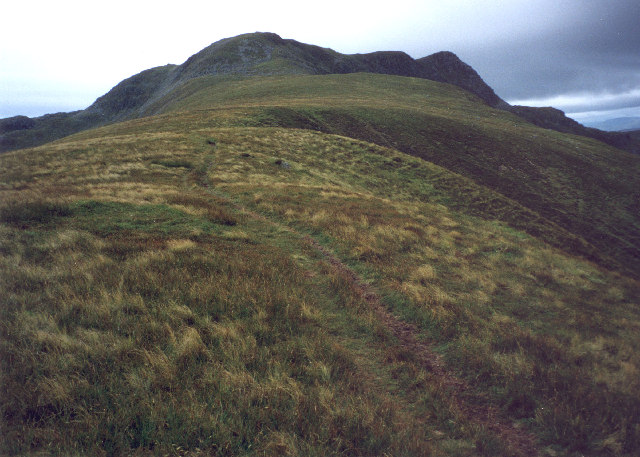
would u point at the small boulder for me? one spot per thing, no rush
(282, 163)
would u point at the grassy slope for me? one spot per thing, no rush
(143, 312)
(585, 187)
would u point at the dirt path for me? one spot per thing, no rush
(476, 409)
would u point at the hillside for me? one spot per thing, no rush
(554, 119)
(249, 54)
(190, 284)
(268, 54)
(310, 264)
(571, 185)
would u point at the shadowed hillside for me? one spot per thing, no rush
(554, 119)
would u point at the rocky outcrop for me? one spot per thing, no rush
(14, 123)
(446, 67)
(127, 98)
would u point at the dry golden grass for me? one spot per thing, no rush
(475, 270)
(143, 312)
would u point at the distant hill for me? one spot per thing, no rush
(619, 124)
(554, 119)
(262, 54)
(255, 54)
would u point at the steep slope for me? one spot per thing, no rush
(250, 54)
(446, 67)
(197, 284)
(126, 99)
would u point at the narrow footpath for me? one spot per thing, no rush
(476, 409)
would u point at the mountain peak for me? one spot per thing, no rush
(265, 53)
(445, 66)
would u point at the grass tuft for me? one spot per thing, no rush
(23, 214)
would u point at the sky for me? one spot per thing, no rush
(581, 56)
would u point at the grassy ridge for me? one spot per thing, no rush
(137, 318)
(144, 313)
(584, 187)
(518, 319)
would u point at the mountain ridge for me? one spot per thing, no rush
(247, 55)
(555, 119)
(264, 54)
(618, 124)
(180, 280)
(317, 264)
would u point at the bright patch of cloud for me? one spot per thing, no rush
(587, 117)
(579, 102)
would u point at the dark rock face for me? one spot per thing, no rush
(123, 100)
(446, 67)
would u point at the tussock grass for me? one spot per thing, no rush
(219, 349)
(143, 312)
(515, 314)
(585, 191)
(138, 327)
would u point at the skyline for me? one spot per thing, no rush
(578, 56)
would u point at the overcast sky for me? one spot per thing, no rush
(582, 56)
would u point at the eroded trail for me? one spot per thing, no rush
(474, 408)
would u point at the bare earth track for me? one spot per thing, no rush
(477, 410)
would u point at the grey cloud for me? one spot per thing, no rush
(524, 49)
(595, 51)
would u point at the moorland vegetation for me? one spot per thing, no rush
(353, 264)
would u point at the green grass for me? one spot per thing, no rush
(170, 349)
(146, 309)
(142, 321)
(108, 218)
(517, 317)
